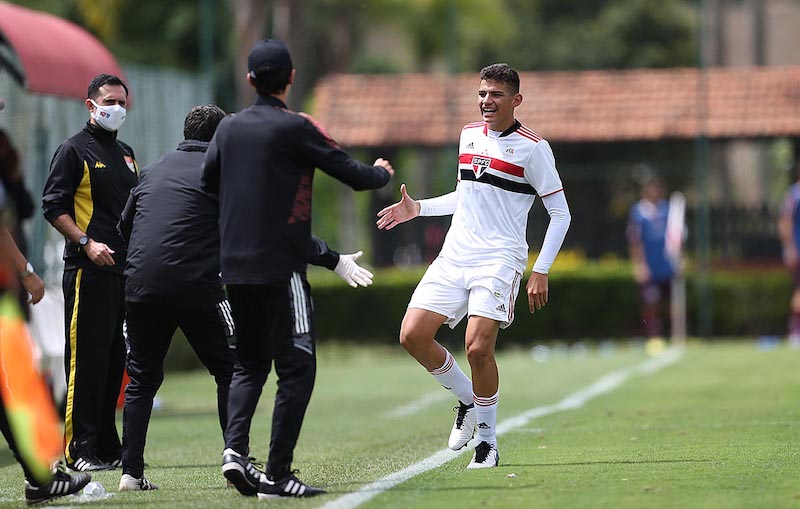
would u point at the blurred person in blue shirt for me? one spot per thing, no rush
(652, 269)
(789, 231)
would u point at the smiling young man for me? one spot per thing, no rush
(502, 166)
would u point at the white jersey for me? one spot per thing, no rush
(499, 175)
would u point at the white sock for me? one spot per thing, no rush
(453, 379)
(486, 413)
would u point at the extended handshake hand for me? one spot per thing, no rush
(352, 273)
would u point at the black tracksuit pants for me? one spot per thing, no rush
(94, 358)
(273, 324)
(209, 330)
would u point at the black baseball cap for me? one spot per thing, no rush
(269, 54)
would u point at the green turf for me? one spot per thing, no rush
(719, 428)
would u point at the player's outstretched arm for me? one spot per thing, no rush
(404, 210)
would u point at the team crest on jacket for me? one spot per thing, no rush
(129, 162)
(479, 165)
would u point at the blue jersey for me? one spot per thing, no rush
(791, 209)
(647, 224)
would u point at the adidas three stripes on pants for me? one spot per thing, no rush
(273, 325)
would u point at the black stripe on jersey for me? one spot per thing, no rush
(494, 180)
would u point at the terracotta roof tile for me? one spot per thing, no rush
(580, 106)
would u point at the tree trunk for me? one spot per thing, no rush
(250, 20)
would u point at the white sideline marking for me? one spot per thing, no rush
(423, 401)
(575, 400)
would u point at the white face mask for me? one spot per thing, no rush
(109, 118)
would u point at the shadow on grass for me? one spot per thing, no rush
(403, 487)
(617, 462)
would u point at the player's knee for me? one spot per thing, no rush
(411, 338)
(479, 353)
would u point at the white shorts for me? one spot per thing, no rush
(453, 291)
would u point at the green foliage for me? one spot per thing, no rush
(598, 34)
(596, 301)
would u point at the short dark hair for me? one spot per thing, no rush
(202, 122)
(100, 80)
(271, 81)
(501, 73)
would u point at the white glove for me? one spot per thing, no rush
(352, 273)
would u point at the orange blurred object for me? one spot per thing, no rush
(29, 407)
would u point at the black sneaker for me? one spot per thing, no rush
(60, 485)
(115, 464)
(240, 472)
(88, 462)
(289, 486)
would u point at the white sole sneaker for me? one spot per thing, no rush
(130, 483)
(463, 427)
(485, 456)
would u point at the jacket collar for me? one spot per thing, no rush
(193, 146)
(269, 100)
(99, 132)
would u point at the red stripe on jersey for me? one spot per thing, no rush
(554, 192)
(497, 164)
(532, 138)
(524, 131)
(472, 125)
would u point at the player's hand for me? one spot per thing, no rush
(352, 273)
(404, 210)
(386, 166)
(538, 293)
(34, 286)
(99, 253)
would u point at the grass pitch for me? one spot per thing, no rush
(718, 428)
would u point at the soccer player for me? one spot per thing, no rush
(652, 269)
(502, 166)
(789, 231)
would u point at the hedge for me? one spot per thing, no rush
(593, 301)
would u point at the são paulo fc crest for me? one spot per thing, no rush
(479, 165)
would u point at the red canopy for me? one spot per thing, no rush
(58, 57)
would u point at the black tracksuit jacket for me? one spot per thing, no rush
(170, 225)
(172, 230)
(90, 178)
(261, 161)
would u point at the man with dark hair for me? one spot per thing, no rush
(502, 166)
(262, 161)
(90, 177)
(172, 280)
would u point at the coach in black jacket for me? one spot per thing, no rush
(90, 177)
(262, 162)
(172, 280)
